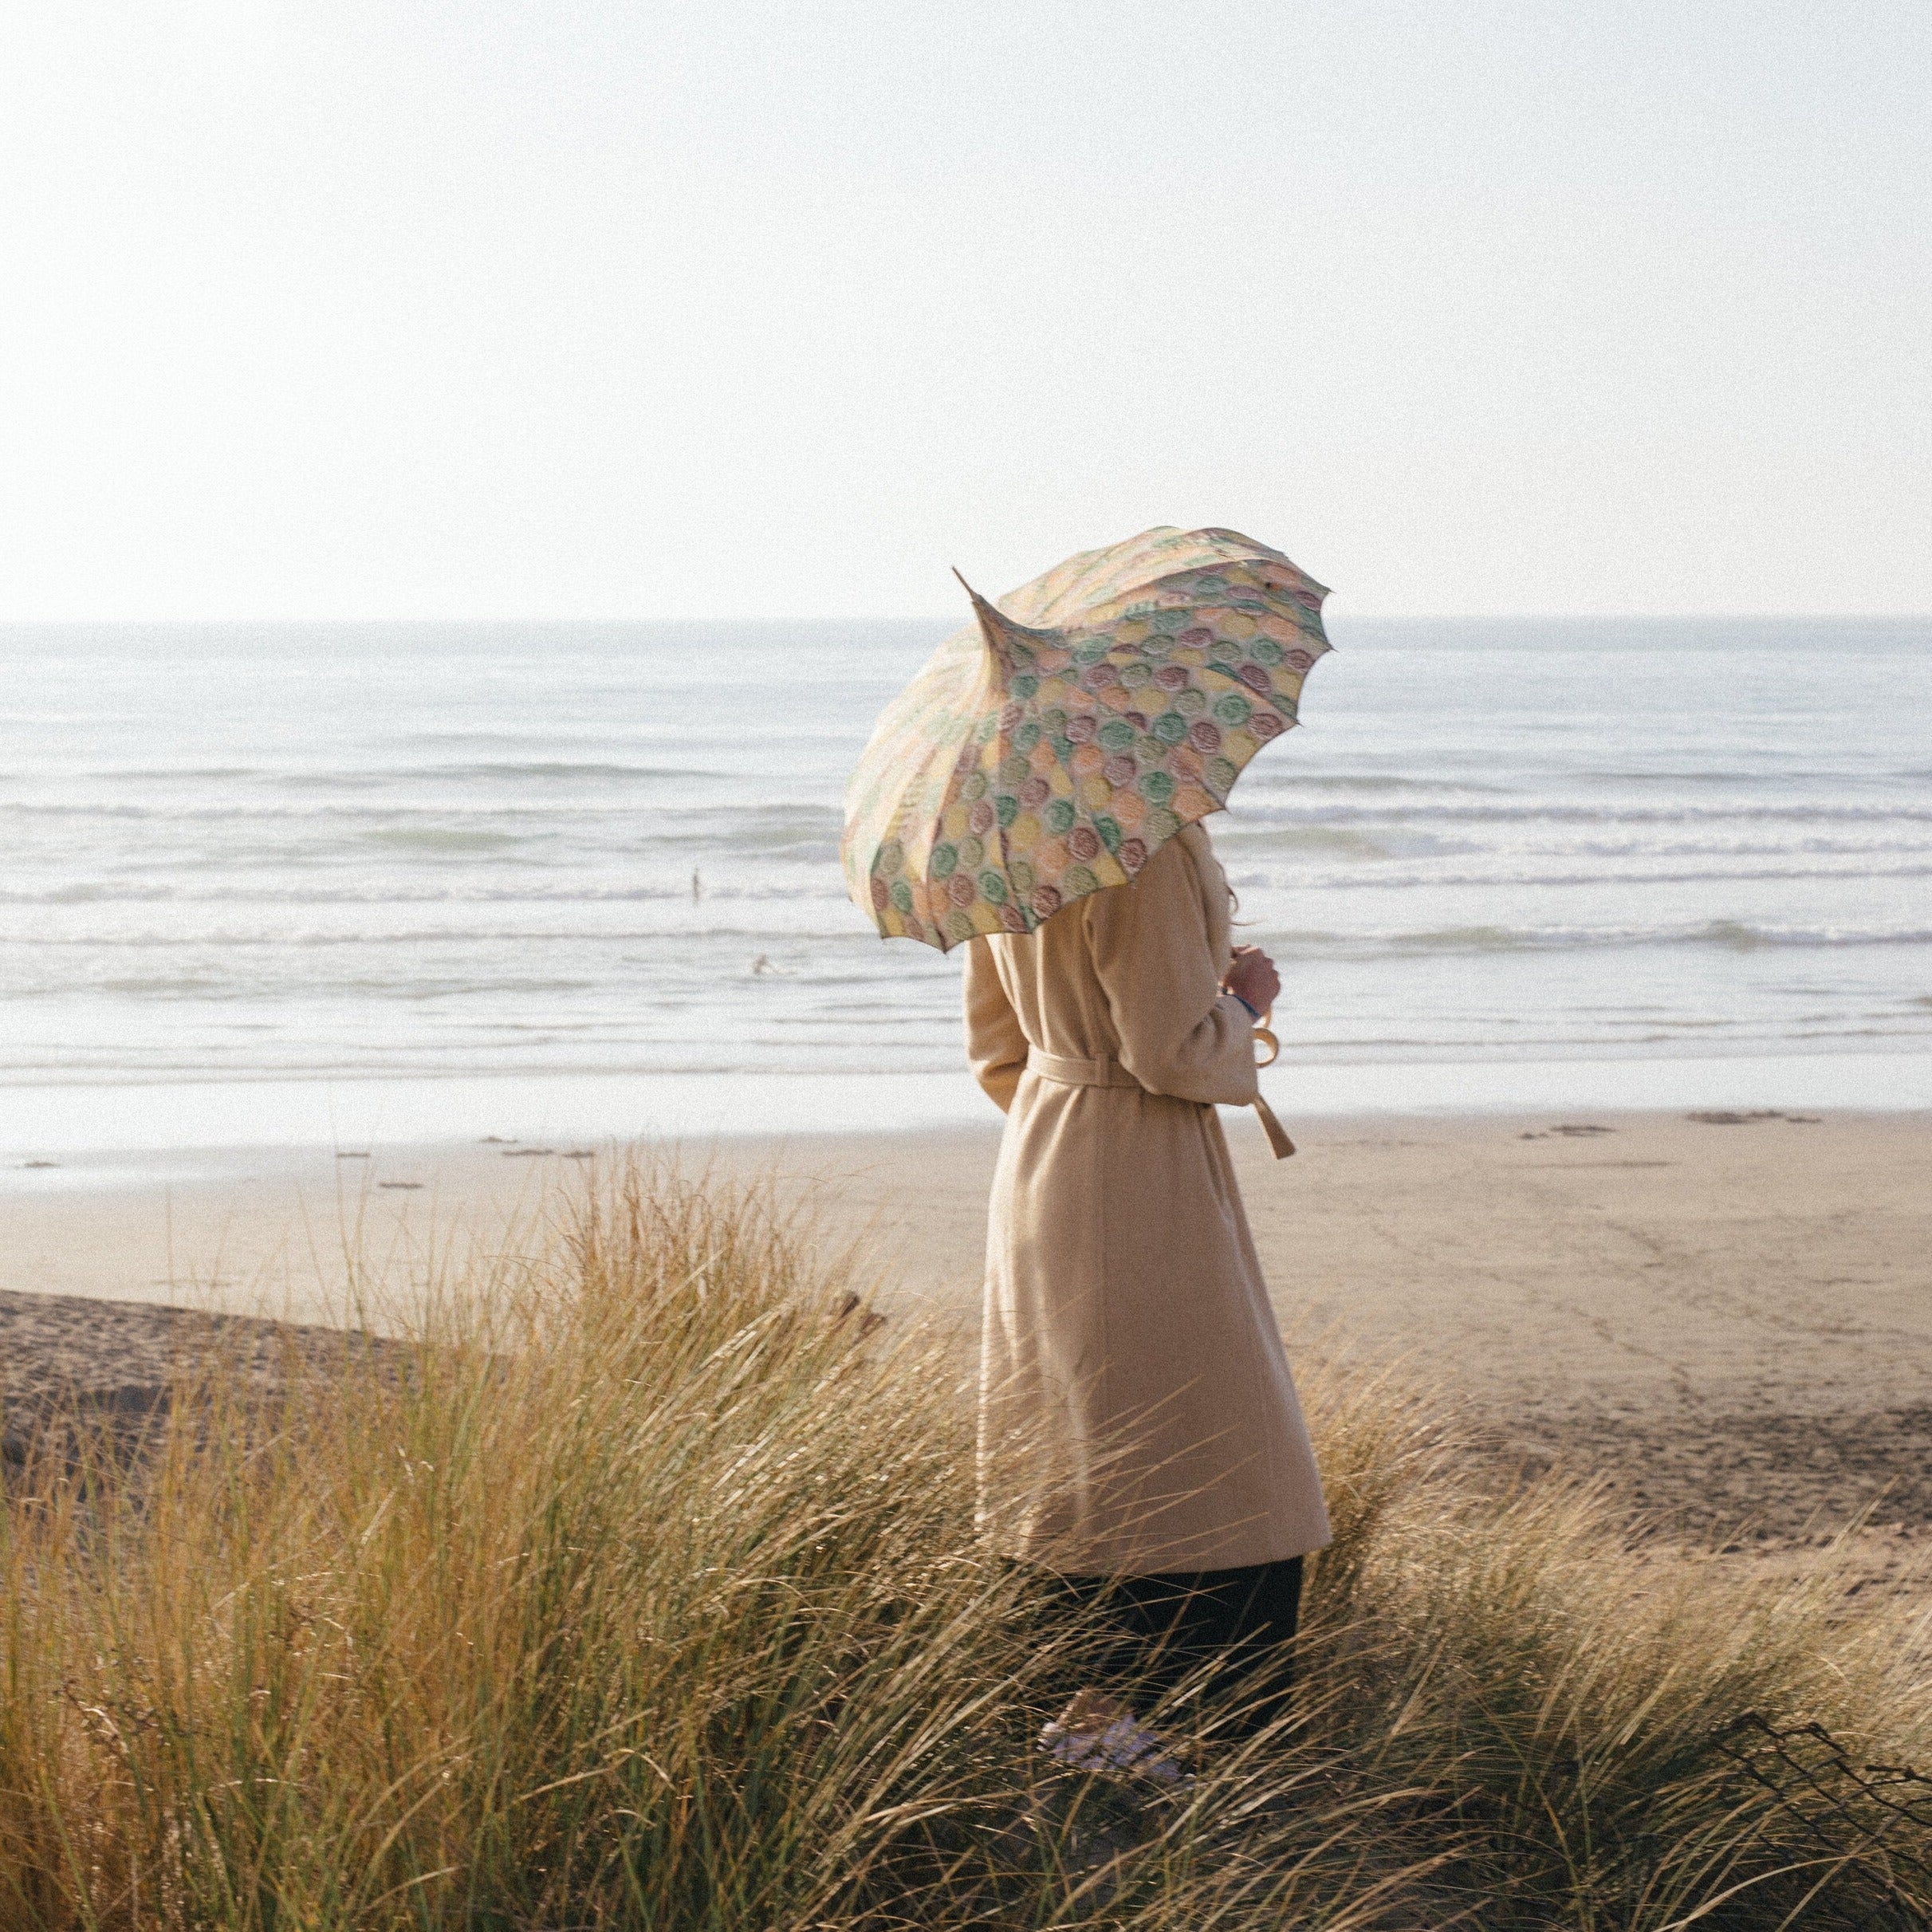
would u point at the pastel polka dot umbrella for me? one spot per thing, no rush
(1050, 748)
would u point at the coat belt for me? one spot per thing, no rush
(1066, 1070)
(1070, 1073)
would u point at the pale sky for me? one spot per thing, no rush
(573, 308)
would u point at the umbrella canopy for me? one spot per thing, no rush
(1052, 746)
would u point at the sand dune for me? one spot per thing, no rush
(1730, 1318)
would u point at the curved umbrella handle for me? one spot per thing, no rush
(1264, 1037)
(1277, 1135)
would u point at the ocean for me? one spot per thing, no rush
(542, 853)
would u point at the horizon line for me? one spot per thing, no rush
(950, 618)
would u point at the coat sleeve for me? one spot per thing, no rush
(1180, 1033)
(996, 1048)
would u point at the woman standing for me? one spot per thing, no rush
(1139, 1432)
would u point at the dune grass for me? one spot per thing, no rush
(639, 1588)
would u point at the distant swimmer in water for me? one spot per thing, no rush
(697, 885)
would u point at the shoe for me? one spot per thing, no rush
(1099, 1733)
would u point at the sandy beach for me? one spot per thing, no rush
(1727, 1317)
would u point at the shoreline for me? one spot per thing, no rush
(67, 1128)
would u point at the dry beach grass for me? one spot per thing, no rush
(1728, 1323)
(636, 1585)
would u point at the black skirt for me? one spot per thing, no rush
(1239, 1625)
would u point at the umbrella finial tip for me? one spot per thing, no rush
(1002, 635)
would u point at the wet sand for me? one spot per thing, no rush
(1730, 1318)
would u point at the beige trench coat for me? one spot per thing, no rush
(1137, 1415)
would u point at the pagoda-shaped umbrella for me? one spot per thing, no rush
(1050, 748)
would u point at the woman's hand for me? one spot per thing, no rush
(1253, 978)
